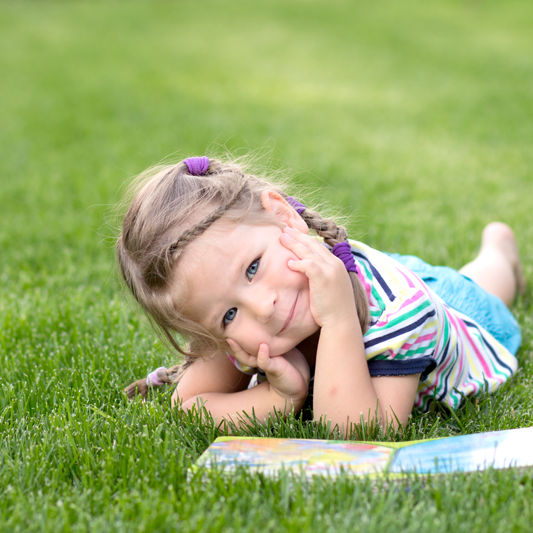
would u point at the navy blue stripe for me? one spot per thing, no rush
(488, 345)
(398, 332)
(377, 275)
(447, 375)
(493, 352)
(401, 367)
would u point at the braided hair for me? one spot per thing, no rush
(171, 207)
(334, 234)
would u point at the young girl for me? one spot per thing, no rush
(226, 260)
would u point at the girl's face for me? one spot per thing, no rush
(235, 282)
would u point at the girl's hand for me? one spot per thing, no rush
(288, 375)
(331, 291)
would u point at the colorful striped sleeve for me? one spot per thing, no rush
(402, 340)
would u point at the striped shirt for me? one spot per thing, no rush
(412, 331)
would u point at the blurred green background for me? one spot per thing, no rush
(412, 120)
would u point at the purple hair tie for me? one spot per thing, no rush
(197, 165)
(298, 207)
(153, 379)
(343, 251)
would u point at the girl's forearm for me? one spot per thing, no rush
(343, 389)
(260, 401)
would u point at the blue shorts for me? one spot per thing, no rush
(467, 297)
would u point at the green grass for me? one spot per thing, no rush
(412, 120)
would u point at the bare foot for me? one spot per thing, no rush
(500, 236)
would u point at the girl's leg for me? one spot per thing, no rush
(497, 267)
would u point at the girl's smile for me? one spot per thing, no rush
(212, 251)
(234, 281)
(291, 314)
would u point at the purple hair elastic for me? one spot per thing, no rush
(298, 207)
(343, 251)
(197, 165)
(152, 379)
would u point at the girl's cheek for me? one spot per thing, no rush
(249, 340)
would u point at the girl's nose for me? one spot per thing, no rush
(261, 305)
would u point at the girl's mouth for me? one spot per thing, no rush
(291, 314)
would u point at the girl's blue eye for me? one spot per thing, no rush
(229, 316)
(251, 271)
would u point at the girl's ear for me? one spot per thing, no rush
(279, 207)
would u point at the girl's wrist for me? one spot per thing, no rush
(337, 339)
(344, 319)
(287, 402)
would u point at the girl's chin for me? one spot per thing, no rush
(281, 350)
(278, 354)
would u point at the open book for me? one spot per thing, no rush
(464, 453)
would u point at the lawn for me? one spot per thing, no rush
(412, 120)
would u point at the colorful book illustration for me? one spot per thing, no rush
(464, 453)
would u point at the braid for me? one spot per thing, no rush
(197, 230)
(325, 227)
(164, 264)
(163, 218)
(332, 235)
(164, 376)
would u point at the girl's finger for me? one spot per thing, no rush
(305, 266)
(240, 354)
(263, 356)
(297, 265)
(271, 366)
(301, 244)
(298, 247)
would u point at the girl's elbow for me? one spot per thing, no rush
(196, 403)
(186, 405)
(182, 402)
(347, 422)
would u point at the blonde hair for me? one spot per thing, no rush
(163, 217)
